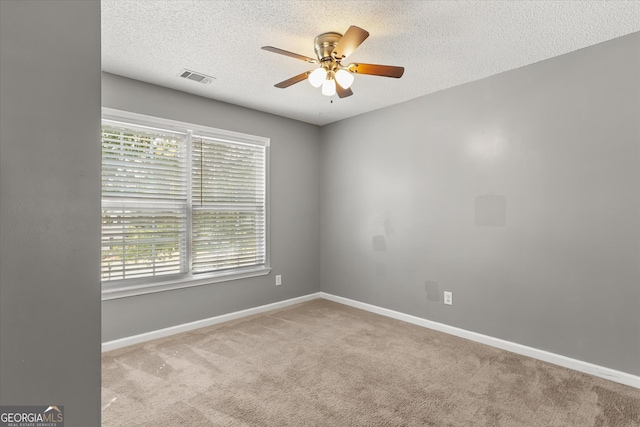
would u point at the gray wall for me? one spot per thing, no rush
(520, 193)
(50, 206)
(294, 213)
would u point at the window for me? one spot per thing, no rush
(182, 205)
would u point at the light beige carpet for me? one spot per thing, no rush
(325, 364)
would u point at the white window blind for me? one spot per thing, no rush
(228, 205)
(182, 203)
(144, 202)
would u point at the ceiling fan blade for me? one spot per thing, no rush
(293, 80)
(342, 92)
(349, 42)
(377, 70)
(290, 54)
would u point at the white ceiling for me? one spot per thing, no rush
(441, 44)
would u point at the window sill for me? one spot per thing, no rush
(170, 285)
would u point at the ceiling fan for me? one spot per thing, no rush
(334, 77)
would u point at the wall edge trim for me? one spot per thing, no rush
(545, 356)
(186, 327)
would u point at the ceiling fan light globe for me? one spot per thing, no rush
(329, 87)
(344, 78)
(317, 77)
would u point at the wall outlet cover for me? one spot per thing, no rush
(448, 298)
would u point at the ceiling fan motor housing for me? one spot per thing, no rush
(324, 45)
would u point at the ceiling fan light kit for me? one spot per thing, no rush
(317, 77)
(331, 48)
(344, 78)
(329, 86)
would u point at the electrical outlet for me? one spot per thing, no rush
(448, 298)
(278, 280)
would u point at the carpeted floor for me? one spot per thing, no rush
(325, 364)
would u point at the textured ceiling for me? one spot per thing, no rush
(440, 43)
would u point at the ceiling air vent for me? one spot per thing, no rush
(196, 77)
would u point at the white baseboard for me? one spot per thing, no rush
(556, 359)
(161, 333)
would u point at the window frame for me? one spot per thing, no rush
(113, 289)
